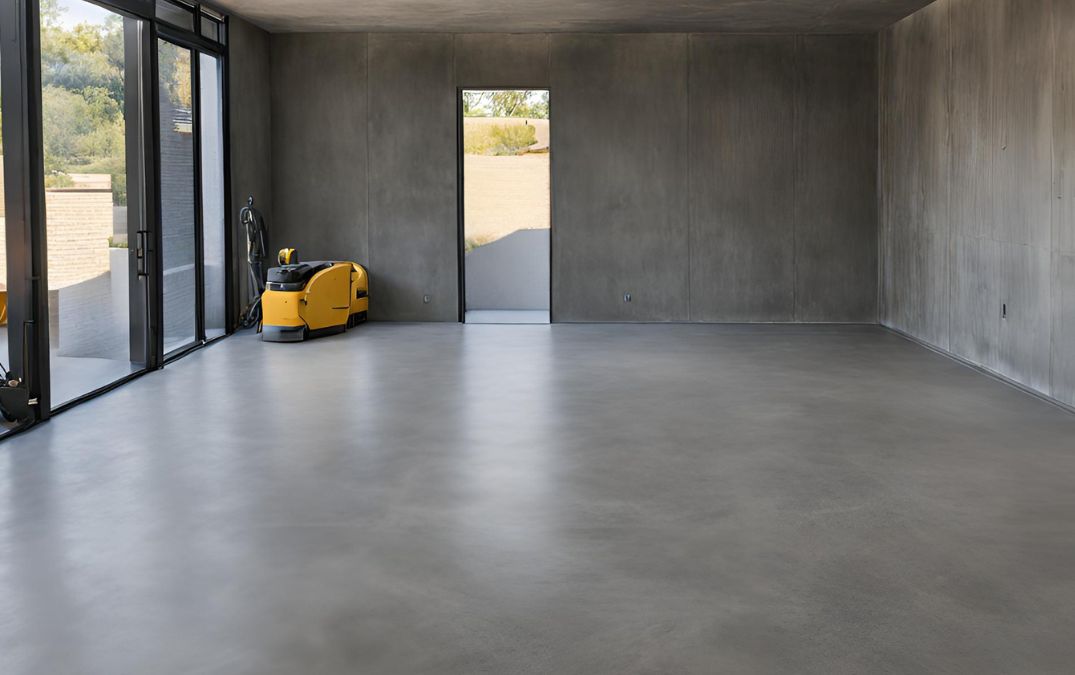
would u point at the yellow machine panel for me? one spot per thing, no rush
(304, 300)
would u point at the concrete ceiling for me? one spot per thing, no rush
(540, 16)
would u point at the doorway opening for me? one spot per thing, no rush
(505, 214)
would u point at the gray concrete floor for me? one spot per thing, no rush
(545, 499)
(75, 376)
(506, 316)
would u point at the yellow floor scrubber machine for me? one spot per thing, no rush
(311, 299)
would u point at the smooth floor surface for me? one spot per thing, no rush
(545, 499)
(506, 316)
(75, 376)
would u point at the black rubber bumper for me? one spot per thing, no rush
(283, 333)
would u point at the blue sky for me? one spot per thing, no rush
(74, 12)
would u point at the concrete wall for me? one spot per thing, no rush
(620, 177)
(510, 273)
(413, 177)
(319, 156)
(977, 131)
(783, 176)
(251, 139)
(646, 138)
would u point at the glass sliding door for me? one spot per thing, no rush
(113, 194)
(92, 136)
(179, 202)
(6, 360)
(193, 217)
(211, 122)
(23, 301)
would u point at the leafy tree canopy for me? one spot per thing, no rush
(82, 77)
(506, 103)
(82, 95)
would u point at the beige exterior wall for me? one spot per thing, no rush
(79, 223)
(78, 227)
(3, 230)
(506, 194)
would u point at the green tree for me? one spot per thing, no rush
(82, 77)
(474, 104)
(506, 103)
(175, 75)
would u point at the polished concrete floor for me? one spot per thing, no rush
(75, 376)
(506, 316)
(545, 499)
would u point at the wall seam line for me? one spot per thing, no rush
(950, 112)
(460, 221)
(552, 202)
(796, 149)
(690, 184)
(369, 224)
(1054, 211)
(880, 180)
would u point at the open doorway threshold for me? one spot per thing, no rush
(506, 316)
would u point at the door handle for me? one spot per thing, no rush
(141, 237)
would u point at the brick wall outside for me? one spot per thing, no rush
(79, 222)
(3, 230)
(87, 296)
(78, 225)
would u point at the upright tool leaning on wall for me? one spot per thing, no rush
(253, 224)
(304, 300)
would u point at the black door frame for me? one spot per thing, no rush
(25, 199)
(460, 188)
(197, 46)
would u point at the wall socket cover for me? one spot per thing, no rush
(627, 297)
(427, 298)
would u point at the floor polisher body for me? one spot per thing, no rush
(311, 299)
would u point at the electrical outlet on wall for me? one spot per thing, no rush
(1004, 310)
(426, 299)
(627, 297)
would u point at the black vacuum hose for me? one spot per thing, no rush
(254, 224)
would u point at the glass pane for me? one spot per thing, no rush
(177, 15)
(213, 217)
(177, 195)
(210, 29)
(5, 354)
(91, 132)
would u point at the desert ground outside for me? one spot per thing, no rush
(508, 193)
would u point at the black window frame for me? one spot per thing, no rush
(20, 63)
